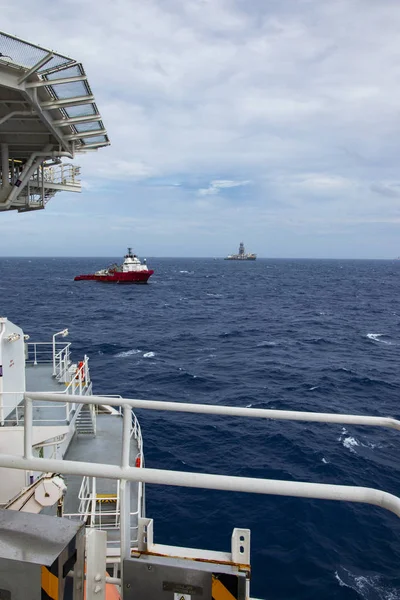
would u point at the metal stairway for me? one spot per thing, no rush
(85, 422)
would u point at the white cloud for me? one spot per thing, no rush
(320, 183)
(217, 185)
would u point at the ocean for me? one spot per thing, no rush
(313, 335)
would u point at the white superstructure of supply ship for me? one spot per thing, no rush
(72, 468)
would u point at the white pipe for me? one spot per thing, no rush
(126, 430)
(273, 487)
(114, 580)
(93, 503)
(260, 413)
(2, 332)
(72, 101)
(125, 487)
(61, 80)
(28, 421)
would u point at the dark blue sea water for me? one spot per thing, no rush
(290, 334)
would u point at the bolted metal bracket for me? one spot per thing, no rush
(240, 546)
(145, 535)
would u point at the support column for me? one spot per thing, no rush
(42, 181)
(125, 489)
(4, 166)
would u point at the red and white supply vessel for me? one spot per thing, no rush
(131, 271)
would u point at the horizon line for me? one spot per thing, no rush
(208, 257)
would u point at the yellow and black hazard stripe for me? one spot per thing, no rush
(106, 498)
(225, 586)
(50, 583)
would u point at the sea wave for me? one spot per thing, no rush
(376, 337)
(128, 353)
(351, 443)
(369, 587)
(133, 352)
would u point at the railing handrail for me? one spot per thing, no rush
(234, 411)
(127, 474)
(48, 343)
(299, 489)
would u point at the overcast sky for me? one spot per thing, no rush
(275, 122)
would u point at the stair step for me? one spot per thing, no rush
(84, 422)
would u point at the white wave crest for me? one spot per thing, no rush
(187, 272)
(149, 354)
(127, 353)
(367, 586)
(350, 443)
(376, 338)
(313, 388)
(265, 344)
(324, 461)
(347, 440)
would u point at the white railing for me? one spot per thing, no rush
(126, 474)
(42, 352)
(62, 363)
(93, 512)
(61, 174)
(79, 385)
(91, 506)
(59, 354)
(93, 416)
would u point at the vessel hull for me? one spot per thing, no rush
(241, 259)
(118, 277)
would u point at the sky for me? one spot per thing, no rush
(272, 122)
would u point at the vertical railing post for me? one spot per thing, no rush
(117, 505)
(64, 376)
(54, 355)
(34, 355)
(28, 422)
(28, 429)
(86, 368)
(125, 488)
(94, 502)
